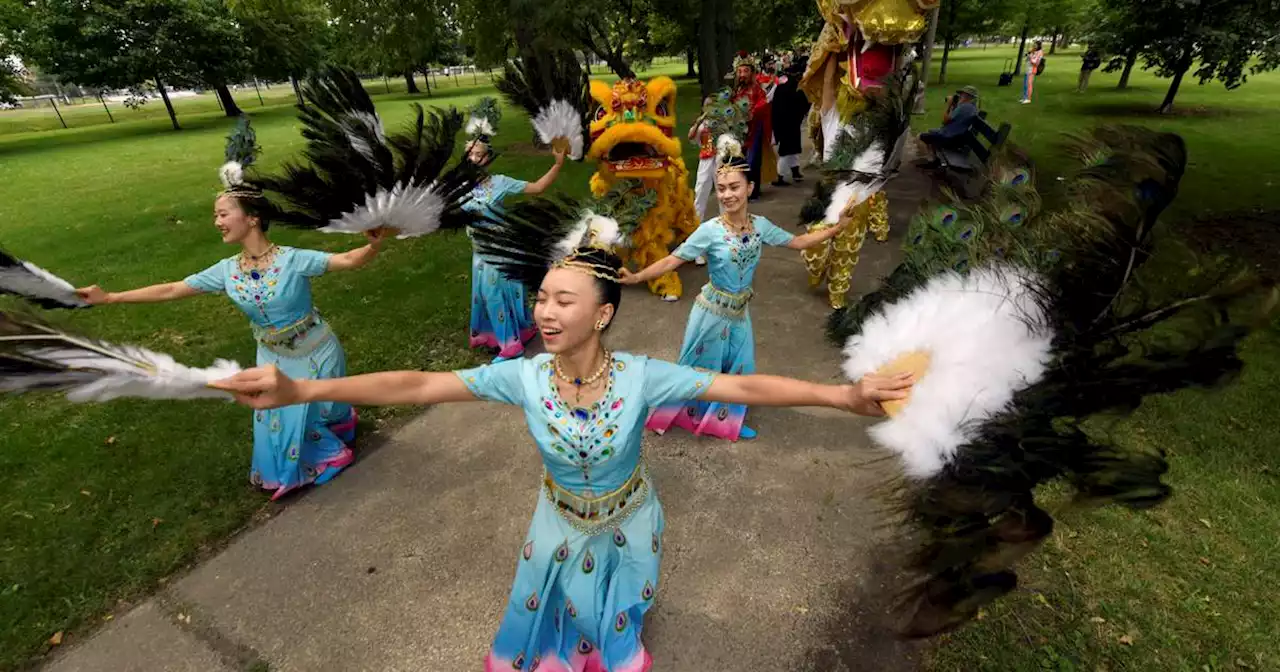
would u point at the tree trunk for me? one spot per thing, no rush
(1167, 106)
(1053, 44)
(297, 90)
(426, 78)
(949, 40)
(946, 55)
(618, 64)
(690, 59)
(708, 61)
(1129, 62)
(229, 105)
(411, 85)
(724, 38)
(1022, 48)
(168, 105)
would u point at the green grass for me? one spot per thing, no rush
(101, 501)
(129, 203)
(1188, 585)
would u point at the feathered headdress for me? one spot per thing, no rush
(242, 150)
(531, 237)
(1015, 342)
(482, 121)
(355, 177)
(25, 279)
(36, 356)
(557, 104)
(740, 59)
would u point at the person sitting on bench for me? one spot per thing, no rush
(962, 111)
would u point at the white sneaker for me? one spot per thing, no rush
(1025, 102)
(701, 261)
(670, 298)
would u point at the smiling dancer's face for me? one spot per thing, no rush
(569, 306)
(732, 189)
(231, 220)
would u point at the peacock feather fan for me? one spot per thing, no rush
(36, 285)
(356, 177)
(36, 356)
(725, 116)
(1023, 350)
(551, 85)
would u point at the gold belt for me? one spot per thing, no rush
(595, 514)
(723, 303)
(289, 337)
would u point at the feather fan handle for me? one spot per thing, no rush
(560, 121)
(25, 279)
(35, 356)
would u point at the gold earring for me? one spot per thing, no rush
(601, 325)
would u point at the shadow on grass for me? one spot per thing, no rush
(1148, 110)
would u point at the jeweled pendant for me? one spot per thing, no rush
(255, 275)
(588, 563)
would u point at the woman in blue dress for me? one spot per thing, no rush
(500, 315)
(299, 444)
(587, 570)
(718, 335)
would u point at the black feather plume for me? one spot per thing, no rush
(355, 177)
(521, 241)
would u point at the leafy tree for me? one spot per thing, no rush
(393, 36)
(122, 44)
(285, 38)
(1223, 40)
(960, 18)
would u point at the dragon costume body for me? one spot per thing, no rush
(862, 90)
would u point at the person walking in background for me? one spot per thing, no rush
(790, 106)
(1089, 62)
(1033, 61)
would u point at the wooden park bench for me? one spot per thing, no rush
(966, 167)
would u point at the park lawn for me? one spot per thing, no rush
(101, 501)
(1187, 585)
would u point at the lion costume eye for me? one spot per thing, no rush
(661, 110)
(600, 113)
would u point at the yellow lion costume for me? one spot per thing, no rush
(632, 126)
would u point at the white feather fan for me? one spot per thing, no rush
(560, 120)
(35, 356)
(413, 211)
(25, 279)
(986, 339)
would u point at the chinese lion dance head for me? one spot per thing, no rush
(632, 129)
(632, 126)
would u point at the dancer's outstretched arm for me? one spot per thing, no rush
(267, 387)
(808, 240)
(361, 256)
(657, 269)
(534, 188)
(862, 397)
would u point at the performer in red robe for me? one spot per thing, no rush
(759, 145)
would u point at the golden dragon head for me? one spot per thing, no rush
(633, 127)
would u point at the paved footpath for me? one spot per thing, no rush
(405, 560)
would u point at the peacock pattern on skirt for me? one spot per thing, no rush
(1030, 321)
